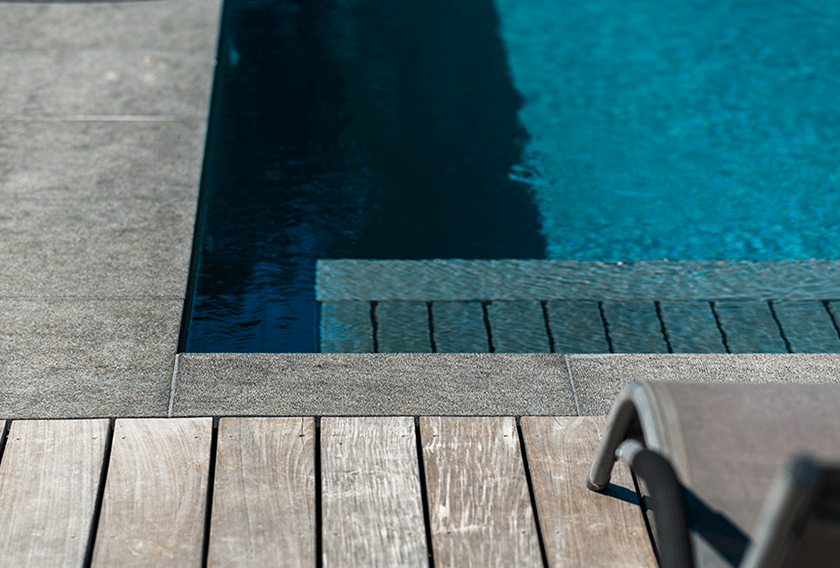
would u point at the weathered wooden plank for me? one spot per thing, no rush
(808, 326)
(634, 326)
(346, 327)
(264, 493)
(156, 493)
(749, 327)
(49, 478)
(403, 327)
(580, 527)
(576, 327)
(371, 503)
(459, 327)
(518, 327)
(691, 327)
(479, 503)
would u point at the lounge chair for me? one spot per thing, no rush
(743, 475)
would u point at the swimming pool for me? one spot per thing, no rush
(680, 129)
(521, 129)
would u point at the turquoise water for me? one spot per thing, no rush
(477, 129)
(680, 129)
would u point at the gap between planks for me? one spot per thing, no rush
(263, 508)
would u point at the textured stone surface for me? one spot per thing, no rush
(403, 327)
(576, 327)
(599, 378)
(560, 280)
(105, 82)
(104, 209)
(98, 199)
(634, 327)
(95, 248)
(691, 327)
(807, 326)
(517, 327)
(459, 327)
(372, 384)
(346, 327)
(749, 327)
(101, 160)
(65, 358)
(176, 25)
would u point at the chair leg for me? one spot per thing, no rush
(624, 412)
(666, 502)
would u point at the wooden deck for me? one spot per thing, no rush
(332, 491)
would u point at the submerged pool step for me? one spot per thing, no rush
(750, 327)
(576, 327)
(579, 326)
(517, 327)
(691, 327)
(459, 327)
(634, 326)
(809, 326)
(541, 306)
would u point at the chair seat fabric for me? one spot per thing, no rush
(727, 442)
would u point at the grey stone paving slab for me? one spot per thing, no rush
(105, 82)
(599, 378)
(101, 160)
(346, 327)
(807, 326)
(570, 280)
(403, 327)
(749, 327)
(372, 384)
(518, 327)
(576, 326)
(66, 358)
(161, 24)
(691, 327)
(95, 248)
(459, 327)
(634, 327)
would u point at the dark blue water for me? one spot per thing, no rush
(477, 129)
(371, 129)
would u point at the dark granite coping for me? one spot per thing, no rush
(456, 384)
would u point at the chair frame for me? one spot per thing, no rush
(798, 493)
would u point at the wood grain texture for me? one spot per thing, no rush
(48, 483)
(264, 493)
(155, 494)
(479, 503)
(582, 528)
(372, 509)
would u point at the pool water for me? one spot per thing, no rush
(680, 129)
(599, 130)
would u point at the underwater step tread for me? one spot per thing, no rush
(634, 326)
